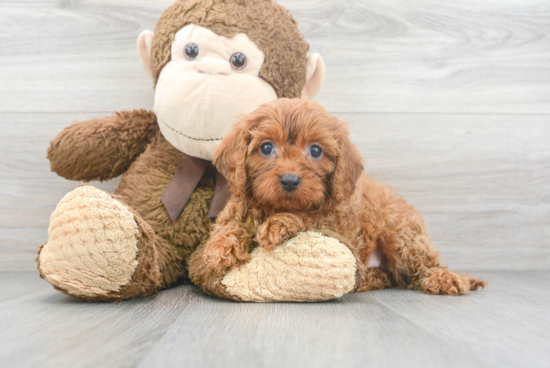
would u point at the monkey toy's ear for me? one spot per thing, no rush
(144, 49)
(315, 75)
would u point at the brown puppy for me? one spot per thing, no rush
(293, 168)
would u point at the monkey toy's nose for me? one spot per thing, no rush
(213, 66)
(290, 182)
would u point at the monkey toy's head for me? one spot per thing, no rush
(214, 60)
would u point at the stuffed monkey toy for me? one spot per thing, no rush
(211, 61)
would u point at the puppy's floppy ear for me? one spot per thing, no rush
(230, 156)
(349, 165)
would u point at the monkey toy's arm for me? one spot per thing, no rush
(101, 149)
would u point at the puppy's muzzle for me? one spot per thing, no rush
(290, 182)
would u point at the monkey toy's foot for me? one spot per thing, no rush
(309, 267)
(98, 249)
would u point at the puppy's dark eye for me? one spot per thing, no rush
(238, 60)
(315, 151)
(191, 51)
(266, 149)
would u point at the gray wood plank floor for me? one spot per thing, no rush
(506, 325)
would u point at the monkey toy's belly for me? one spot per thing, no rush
(143, 184)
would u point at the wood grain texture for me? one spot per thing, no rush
(381, 56)
(17, 284)
(353, 331)
(505, 325)
(49, 329)
(519, 308)
(431, 56)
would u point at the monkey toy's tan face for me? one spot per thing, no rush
(209, 81)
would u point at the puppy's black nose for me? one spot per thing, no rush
(290, 182)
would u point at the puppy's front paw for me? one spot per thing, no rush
(277, 229)
(223, 254)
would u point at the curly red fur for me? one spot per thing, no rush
(278, 228)
(334, 195)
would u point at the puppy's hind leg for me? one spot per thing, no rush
(414, 264)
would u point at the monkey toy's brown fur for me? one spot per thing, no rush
(130, 143)
(334, 194)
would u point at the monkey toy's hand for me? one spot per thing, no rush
(279, 228)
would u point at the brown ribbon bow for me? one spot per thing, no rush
(183, 184)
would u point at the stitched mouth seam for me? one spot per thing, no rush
(186, 136)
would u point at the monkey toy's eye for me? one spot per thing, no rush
(191, 51)
(266, 149)
(315, 151)
(238, 60)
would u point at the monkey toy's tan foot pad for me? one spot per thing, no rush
(310, 267)
(98, 249)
